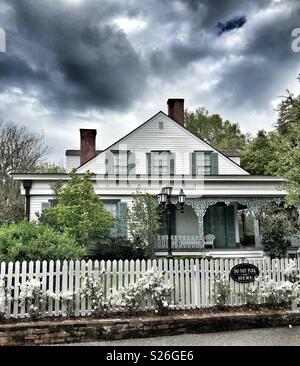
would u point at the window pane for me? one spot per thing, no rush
(111, 208)
(203, 163)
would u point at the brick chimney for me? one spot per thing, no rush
(87, 145)
(176, 110)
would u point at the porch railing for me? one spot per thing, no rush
(179, 242)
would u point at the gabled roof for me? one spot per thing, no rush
(181, 126)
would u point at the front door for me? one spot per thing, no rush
(219, 220)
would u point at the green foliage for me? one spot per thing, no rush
(275, 226)
(121, 248)
(48, 167)
(259, 154)
(278, 152)
(223, 135)
(288, 161)
(144, 222)
(80, 213)
(32, 241)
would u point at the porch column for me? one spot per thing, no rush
(257, 236)
(200, 206)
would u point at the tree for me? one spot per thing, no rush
(79, 212)
(288, 145)
(20, 151)
(278, 152)
(48, 167)
(223, 135)
(144, 221)
(258, 155)
(288, 112)
(276, 225)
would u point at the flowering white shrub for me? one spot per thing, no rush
(3, 298)
(270, 292)
(251, 293)
(33, 296)
(93, 290)
(291, 272)
(151, 286)
(65, 297)
(221, 290)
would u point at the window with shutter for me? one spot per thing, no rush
(112, 207)
(204, 163)
(162, 162)
(45, 205)
(120, 162)
(122, 219)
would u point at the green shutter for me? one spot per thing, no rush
(172, 163)
(193, 163)
(230, 226)
(131, 163)
(109, 163)
(214, 163)
(122, 219)
(148, 157)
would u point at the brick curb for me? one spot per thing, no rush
(81, 330)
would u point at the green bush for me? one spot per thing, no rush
(32, 241)
(121, 248)
(275, 227)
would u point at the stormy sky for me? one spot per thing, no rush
(111, 64)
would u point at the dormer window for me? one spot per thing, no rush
(204, 163)
(161, 163)
(120, 162)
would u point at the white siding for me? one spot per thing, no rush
(172, 137)
(72, 162)
(236, 159)
(187, 222)
(36, 205)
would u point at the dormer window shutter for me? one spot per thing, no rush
(172, 163)
(193, 163)
(148, 161)
(131, 163)
(109, 165)
(214, 163)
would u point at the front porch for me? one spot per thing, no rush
(233, 221)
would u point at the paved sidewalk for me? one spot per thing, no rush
(283, 336)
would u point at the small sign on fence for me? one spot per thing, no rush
(244, 272)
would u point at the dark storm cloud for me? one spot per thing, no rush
(73, 56)
(231, 24)
(264, 56)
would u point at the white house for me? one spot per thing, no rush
(162, 152)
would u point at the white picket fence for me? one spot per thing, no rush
(193, 280)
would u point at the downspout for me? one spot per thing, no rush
(27, 184)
